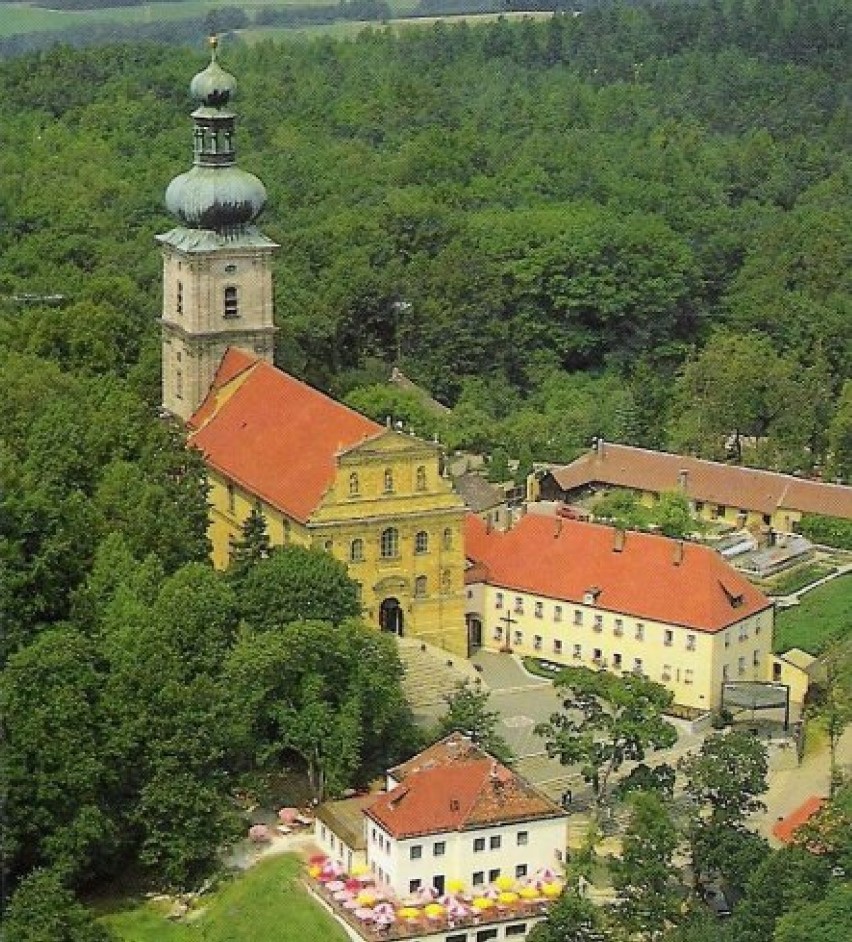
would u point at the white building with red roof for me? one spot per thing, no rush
(576, 593)
(453, 820)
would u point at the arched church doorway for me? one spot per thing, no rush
(390, 616)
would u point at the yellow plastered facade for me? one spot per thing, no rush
(691, 663)
(392, 518)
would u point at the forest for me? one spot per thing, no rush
(633, 223)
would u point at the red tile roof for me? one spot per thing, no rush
(457, 791)
(708, 481)
(447, 751)
(678, 583)
(786, 828)
(274, 435)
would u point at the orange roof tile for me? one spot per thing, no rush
(459, 795)
(786, 828)
(678, 583)
(708, 481)
(274, 435)
(451, 749)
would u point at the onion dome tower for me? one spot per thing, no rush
(217, 266)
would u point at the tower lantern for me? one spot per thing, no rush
(217, 266)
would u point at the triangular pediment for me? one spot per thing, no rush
(389, 442)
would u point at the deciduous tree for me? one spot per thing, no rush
(606, 721)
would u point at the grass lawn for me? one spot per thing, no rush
(821, 615)
(264, 904)
(798, 578)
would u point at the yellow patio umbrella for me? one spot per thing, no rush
(365, 898)
(552, 889)
(482, 902)
(408, 912)
(434, 909)
(359, 870)
(314, 871)
(504, 882)
(528, 892)
(507, 897)
(455, 885)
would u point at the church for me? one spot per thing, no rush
(320, 473)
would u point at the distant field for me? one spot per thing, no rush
(23, 18)
(349, 29)
(265, 904)
(823, 614)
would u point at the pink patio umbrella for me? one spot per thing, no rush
(456, 909)
(351, 904)
(334, 886)
(353, 884)
(342, 895)
(384, 909)
(317, 860)
(259, 833)
(363, 913)
(287, 815)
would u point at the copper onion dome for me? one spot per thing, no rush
(215, 194)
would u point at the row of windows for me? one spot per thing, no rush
(230, 302)
(387, 481)
(477, 877)
(597, 624)
(389, 543)
(494, 842)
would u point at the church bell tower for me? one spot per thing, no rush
(217, 266)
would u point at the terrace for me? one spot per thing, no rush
(510, 908)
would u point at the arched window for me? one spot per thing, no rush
(354, 486)
(390, 543)
(356, 551)
(420, 587)
(421, 479)
(421, 542)
(388, 481)
(448, 539)
(232, 308)
(328, 546)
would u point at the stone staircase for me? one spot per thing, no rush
(430, 674)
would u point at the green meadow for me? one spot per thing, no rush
(264, 904)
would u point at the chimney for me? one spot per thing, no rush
(682, 478)
(678, 552)
(618, 545)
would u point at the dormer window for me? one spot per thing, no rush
(232, 309)
(590, 596)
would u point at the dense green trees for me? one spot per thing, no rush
(604, 192)
(631, 223)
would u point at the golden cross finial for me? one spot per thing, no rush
(214, 45)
